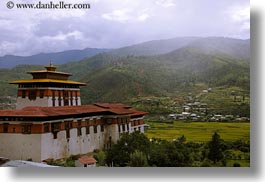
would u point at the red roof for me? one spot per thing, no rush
(112, 105)
(120, 109)
(11, 113)
(127, 111)
(138, 113)
(87, 160)
(37, 111)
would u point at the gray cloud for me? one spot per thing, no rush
(117, 23)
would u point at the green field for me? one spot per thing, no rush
(199, 131)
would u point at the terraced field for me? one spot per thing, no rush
(199, 131)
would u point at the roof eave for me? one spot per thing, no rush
(45, 71)
(51, 81)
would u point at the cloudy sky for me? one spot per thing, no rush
(117, 23)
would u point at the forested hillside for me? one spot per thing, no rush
(146, 70)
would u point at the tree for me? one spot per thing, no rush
(138, 159)
(119, 154)
(169, 154)
(215, 148)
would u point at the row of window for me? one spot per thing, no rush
(65, 101)
(118, 120)
(123, 120)
(79, 131)
(47, 85)
(26, 128)
(63, 96)
(109, 121)
(55, 127)
(122, 127)
(32, 94)
(69, 124)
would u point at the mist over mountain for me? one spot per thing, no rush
(119, 74)
(155, 68)
(236, 48)
(155, 47)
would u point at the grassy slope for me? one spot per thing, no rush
(222, 101)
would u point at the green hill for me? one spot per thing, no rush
(122, 74)
(161, 75)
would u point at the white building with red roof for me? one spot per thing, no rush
(59, 126)
(86, 162)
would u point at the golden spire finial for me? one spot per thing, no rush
(51, 67)
(51, 64)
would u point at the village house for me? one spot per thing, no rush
(85, 162)
(196, 107)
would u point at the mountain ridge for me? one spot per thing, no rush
(149, 48)
(113, 77)
(10, 61)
